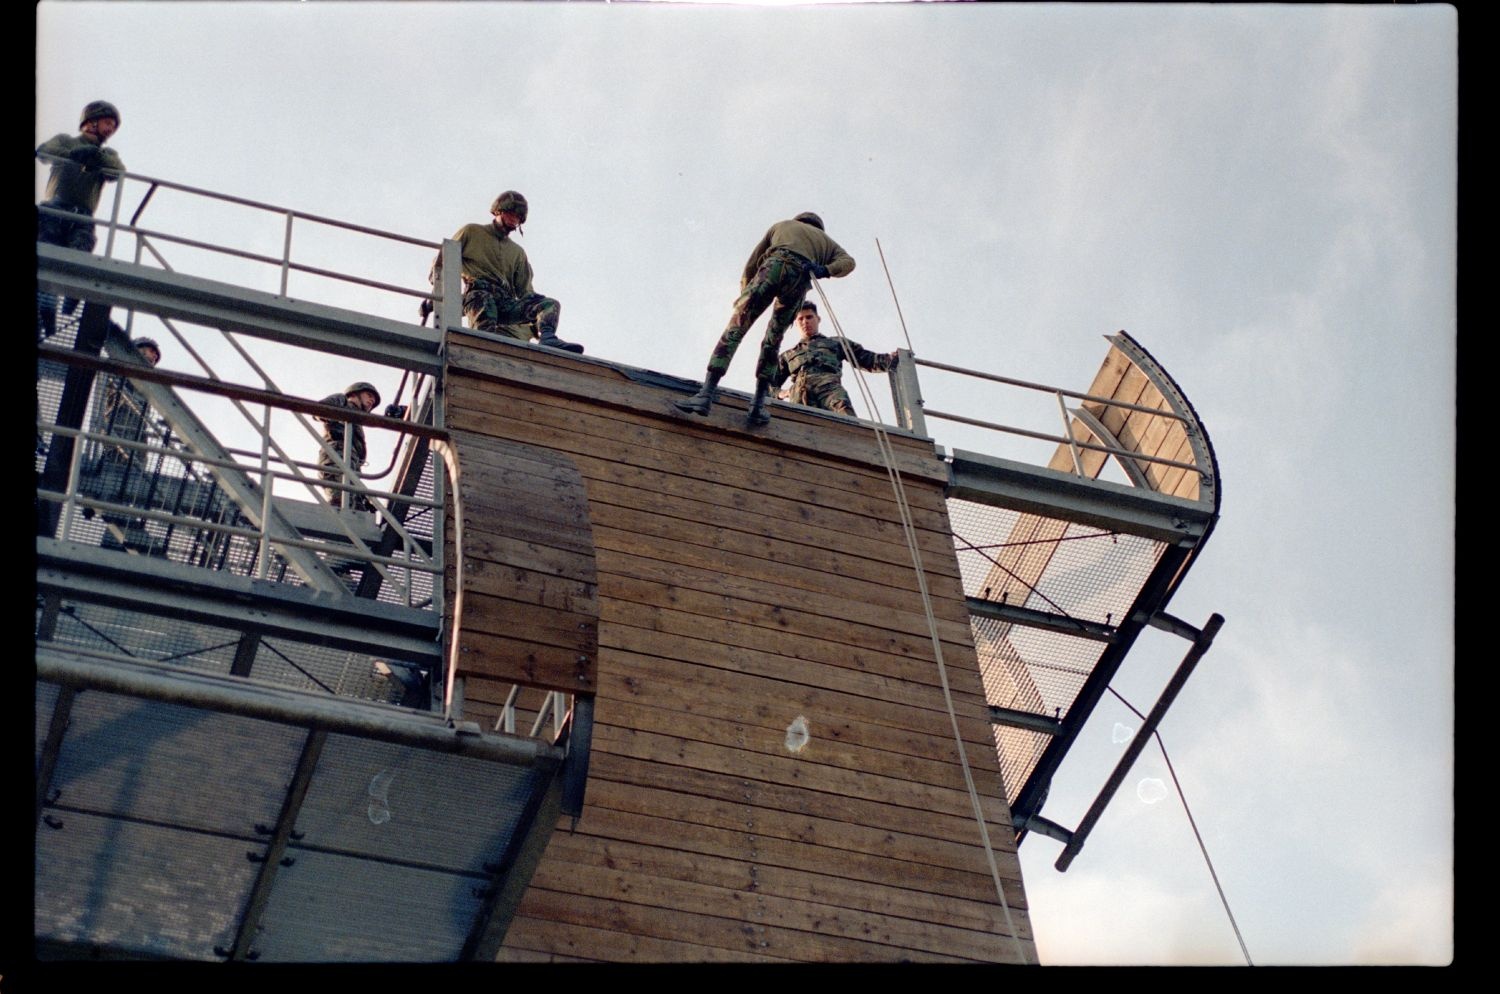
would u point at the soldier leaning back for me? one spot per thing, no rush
(497, 278)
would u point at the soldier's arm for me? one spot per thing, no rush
(111, 163)
(782, 371)
(874, 362)
(56, 145)
(842, 263)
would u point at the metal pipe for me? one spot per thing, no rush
(1062, 440)
(286, 252)
(1122, 769)
(1046, 389)
(1068, 430)
(140, 678)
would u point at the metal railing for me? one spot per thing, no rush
(114, 226)
(912, 412)
(162, 478)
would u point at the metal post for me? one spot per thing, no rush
(71, 490)
(286, 253)
(262, 565)
(906, 394)
(114, 217)
(1068, 432)
(450, 309)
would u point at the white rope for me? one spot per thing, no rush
(909, 528)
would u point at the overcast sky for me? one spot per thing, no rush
(1264, 196)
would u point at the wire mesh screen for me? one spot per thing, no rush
(209, 649)
(1060, 568)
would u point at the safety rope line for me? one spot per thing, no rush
(909, 528)
(1192, 823)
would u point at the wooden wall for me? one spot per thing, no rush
(747, 579)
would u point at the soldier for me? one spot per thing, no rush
(75, 186)
(497, 278)
(120, 474)
(816, 363)
(778, 275)
(361, 396)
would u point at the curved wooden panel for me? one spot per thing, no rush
(529, 612)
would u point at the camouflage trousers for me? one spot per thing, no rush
(824, 390)
(60, 231)
(780, 283)
(491, 308)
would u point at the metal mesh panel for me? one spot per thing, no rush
(208, 649)
(1053, 566)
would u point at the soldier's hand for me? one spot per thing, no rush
(819, 270)
(895, 357)
(424, 309)
(87, 155)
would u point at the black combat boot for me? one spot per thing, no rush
(700, 402)
(758, 413)
(550, 339)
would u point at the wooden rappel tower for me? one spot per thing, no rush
(593, 680)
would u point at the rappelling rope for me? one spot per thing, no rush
(909, 528)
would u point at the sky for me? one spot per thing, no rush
(1264, 196)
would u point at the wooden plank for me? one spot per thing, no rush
(762, 820)
(639, 774)
(802, 885)
(530, 938)
(739, 844)
(484, 657)
(820, 751)
(821, 922)
(852, 442)
(597, 431)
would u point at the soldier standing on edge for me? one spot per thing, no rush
(75, 186)
(778, 275)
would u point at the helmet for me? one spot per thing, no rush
(808, 217)
(141, 343)
(98, 109)
(362, 385)
(510, 200)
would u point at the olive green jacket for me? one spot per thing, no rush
(73, 184)
(807, 241)
(488, 254)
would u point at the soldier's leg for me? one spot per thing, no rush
(783, 311)
(835, 398)
(542, 313)
(751, 304)
(487, 311)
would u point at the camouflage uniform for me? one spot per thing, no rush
(497, 285)
(777, 275)
(816, 367)
(333, 434)
(76, 188)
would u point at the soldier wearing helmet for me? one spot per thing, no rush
(120, 474)
(778, 275)
(359, 396)
(498, 296)
(76, 184)
(815, 365)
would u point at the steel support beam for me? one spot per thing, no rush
(1169, 694)
(1028, 618)
(1050, 493)
(513, 874)
(281, 837)
(1028, 720)
(253, 312)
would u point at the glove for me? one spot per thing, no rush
(87, 155)
(895, 358)
(424, 309)
(819, 270)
